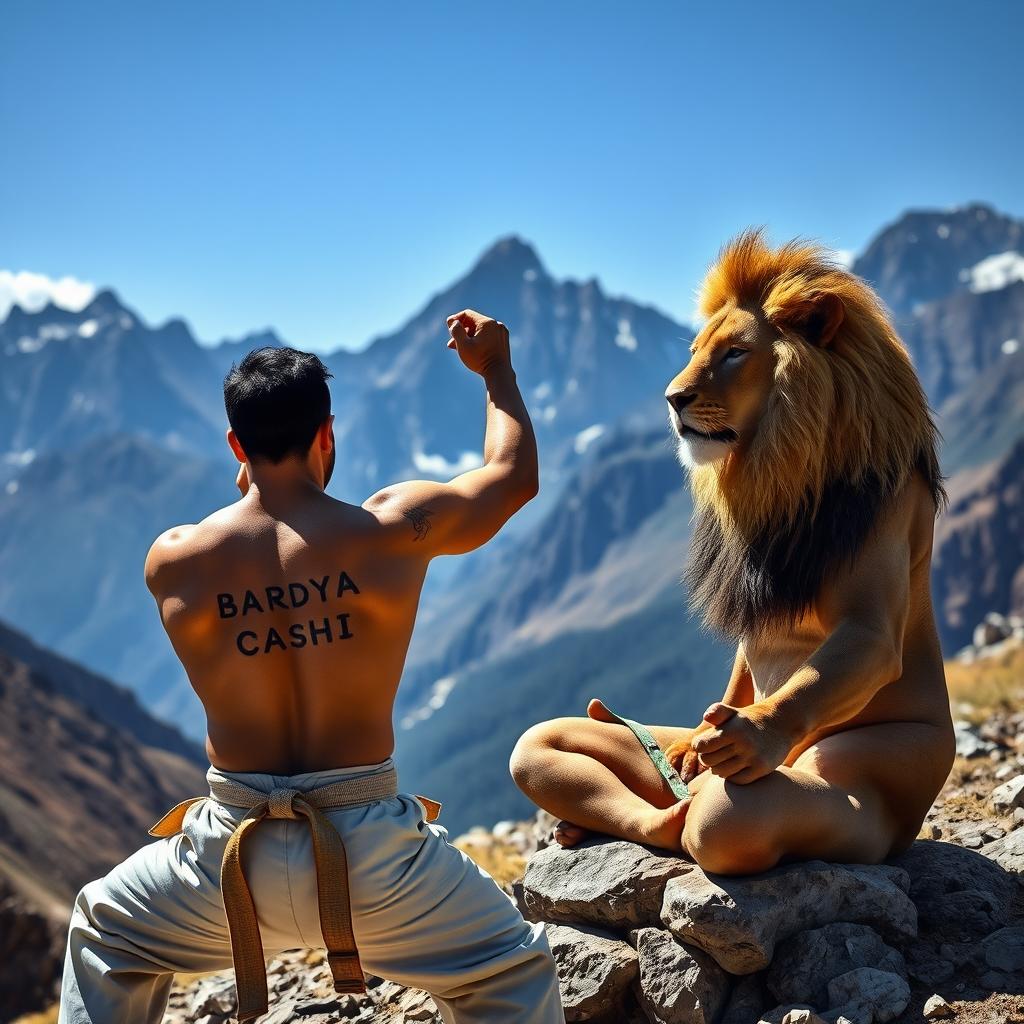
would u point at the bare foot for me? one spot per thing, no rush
(664, 827)
(568, 834)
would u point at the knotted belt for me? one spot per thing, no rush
(331, 871)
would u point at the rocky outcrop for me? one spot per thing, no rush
(31, 951)
(643, 937)
(800, 943)
(615, 884)
(597, 970)
(739, 921)
(80, 786)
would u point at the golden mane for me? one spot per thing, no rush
(847, 423)
(837, 412)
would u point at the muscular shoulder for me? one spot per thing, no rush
(402, 511)
(175, 552)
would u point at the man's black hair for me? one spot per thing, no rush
(276, 400)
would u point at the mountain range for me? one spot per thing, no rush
(113, 431)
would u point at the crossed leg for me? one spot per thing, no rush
(855, 796)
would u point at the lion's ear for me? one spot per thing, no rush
(817, 318)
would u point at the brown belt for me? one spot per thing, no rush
(331, 871)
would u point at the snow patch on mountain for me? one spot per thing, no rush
(20, 459)
(626, 338)
(994, 272)
(438, 695)
(585, 438)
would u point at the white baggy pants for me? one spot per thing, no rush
(424, 914)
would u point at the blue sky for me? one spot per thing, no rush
(323, 167)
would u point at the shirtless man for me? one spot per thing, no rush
(834, 734)
(292, 613)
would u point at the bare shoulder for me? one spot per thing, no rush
(404, 511)
(166, 551)
(178, 550)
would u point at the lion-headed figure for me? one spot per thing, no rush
(800, 418)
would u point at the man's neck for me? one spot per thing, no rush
(285, 481)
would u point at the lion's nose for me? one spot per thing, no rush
(680, 399)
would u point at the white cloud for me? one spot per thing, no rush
(438, 465)
(844, 257)
(33, 291)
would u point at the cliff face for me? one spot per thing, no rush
(77, 795)
(978, 560)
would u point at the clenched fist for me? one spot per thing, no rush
(482, 343)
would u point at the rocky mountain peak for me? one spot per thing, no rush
(511, 256)
(927, 254)
(105, 302)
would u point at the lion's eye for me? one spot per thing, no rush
(734, 353)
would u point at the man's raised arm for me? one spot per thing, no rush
(450, 518)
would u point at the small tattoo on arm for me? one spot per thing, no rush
(418, 516)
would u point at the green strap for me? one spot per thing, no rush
(656, 754)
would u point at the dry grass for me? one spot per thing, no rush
(501, 861)
(989, 684)
(966, 807)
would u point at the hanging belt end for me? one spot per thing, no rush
(347, 972)
(346, 987)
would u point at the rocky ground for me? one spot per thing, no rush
(640, 936)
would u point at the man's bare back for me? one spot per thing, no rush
(292, 612)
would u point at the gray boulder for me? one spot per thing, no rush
(958, 892)
(595, 970)
(1008, 852)
(968, 743)
(1003, 950)
(804, 964)
(739, 920)
(611, 883)
(678, 984)
(746, 1000)
(924, 964)
(881, 994)
(1009, 795)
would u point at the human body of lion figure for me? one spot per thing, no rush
(811, 456)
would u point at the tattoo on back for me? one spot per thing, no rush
(418, 516)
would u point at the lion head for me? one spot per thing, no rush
(799, 416)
